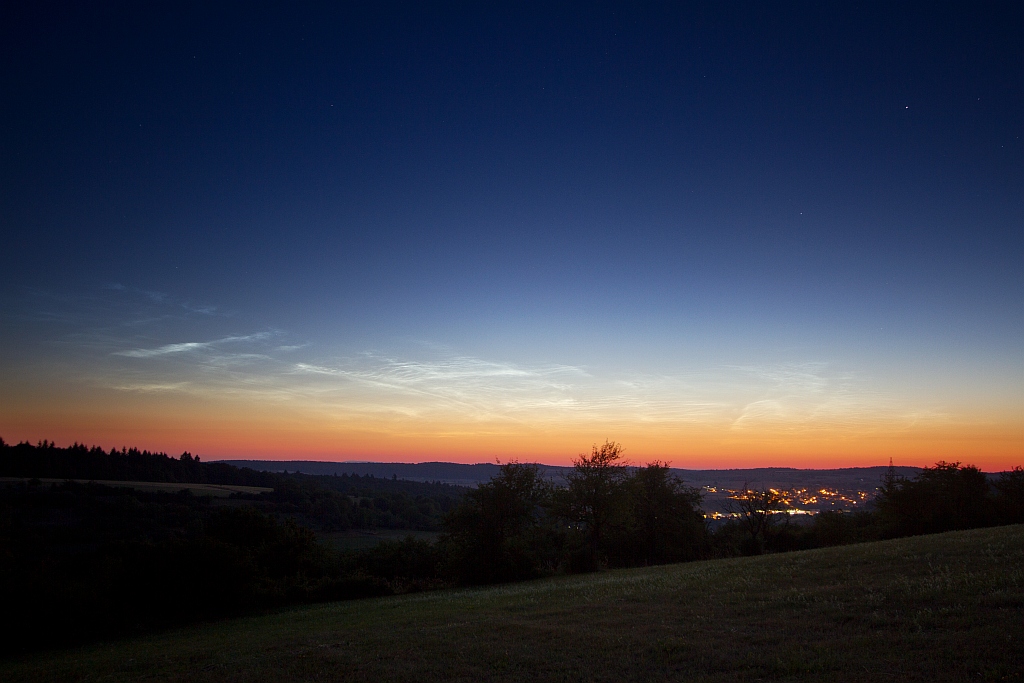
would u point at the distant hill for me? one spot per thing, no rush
(788, 477)
(844, 485)
(445, 472)
(470, 475)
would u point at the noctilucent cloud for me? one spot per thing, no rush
(724, 236)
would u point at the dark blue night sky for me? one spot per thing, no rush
(760, 233)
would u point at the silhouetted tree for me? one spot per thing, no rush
(594, 496)
(941, 498)
(1009, 498)
(490, 532)
(664, 522)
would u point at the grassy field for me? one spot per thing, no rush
(948, 607)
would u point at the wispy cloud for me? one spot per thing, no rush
(812, 396)
(151, 387)
(795, 397)
(201, 310)
(472, 387)
(164, 350)
(111, 306)
(149, 341)
(185, 347)
(792, 398)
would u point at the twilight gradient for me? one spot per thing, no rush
(740, 236)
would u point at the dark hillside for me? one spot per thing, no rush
(946, 607)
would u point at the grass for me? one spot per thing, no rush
(947, 607)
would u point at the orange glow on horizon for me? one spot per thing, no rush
(263, 432)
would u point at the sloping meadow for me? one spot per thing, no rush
(942, 607)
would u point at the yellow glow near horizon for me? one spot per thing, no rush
(216, 427)
(464, 409)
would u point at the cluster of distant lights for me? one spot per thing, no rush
(835, 499)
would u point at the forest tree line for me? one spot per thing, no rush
(323, 503)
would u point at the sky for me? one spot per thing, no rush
(721, 234)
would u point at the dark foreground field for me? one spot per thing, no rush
(944, 607)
